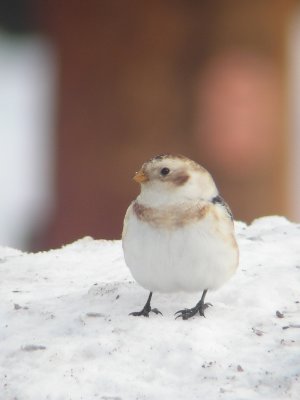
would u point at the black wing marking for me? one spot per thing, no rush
(219, 200)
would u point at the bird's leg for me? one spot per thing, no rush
(147, 309)
(199, 307)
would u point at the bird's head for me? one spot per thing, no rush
(169, 179)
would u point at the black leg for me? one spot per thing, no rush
(199, 307)
(147, 309)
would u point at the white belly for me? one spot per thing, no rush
(190, 258)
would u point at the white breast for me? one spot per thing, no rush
(200, 255)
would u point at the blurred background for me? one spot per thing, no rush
(90, 90)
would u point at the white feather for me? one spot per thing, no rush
(197, 255)
(191, 258)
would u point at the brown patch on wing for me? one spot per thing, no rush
(171, 217)
(233, 241)
(224, 227)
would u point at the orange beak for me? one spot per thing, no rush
(140, 177)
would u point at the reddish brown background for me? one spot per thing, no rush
(138, 78)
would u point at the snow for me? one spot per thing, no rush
(66, 334)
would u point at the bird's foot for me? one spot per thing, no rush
(190, 312)
(145, 312)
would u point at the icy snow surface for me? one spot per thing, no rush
(66, 334)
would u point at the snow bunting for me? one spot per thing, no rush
(178, 234)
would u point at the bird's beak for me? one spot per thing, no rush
(140, 177)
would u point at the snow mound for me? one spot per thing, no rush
(66, 334)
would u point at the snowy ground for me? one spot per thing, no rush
(66, 334)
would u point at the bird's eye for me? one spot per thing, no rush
(164, 171)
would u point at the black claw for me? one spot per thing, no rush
(139, 313)
(147, 309)
(181, 311)
(145, 313)
(187, 313)
(190, 312)
(156, 311)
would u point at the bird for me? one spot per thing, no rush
(178, 234)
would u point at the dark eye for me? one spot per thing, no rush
(164, 171)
